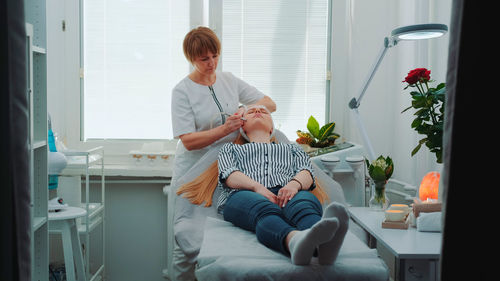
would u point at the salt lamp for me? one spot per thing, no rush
(429, 187)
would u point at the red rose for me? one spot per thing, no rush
(418, 74)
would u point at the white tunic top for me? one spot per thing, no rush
(196, 107)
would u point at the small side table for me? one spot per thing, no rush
(64, 222)
(416, 254)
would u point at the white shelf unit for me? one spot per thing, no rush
(36, 70)
(79, 165)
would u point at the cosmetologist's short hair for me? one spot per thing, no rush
(199, 41)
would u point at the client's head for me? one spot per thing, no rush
(259, 126)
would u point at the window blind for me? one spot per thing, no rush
(280, 47)
(132, 58)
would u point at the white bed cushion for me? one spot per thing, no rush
(230, 253)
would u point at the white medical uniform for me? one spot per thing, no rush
(195, 108)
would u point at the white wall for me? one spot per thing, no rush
(55, 64)
(136, 231)
(359, 27)
(63, 68)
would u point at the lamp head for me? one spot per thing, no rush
(419, 31)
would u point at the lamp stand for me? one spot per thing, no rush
(364, 135)
(354, 103)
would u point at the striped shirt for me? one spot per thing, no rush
(270, 164)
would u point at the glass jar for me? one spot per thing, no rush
(378, 200)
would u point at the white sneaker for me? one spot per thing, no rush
(56, 204)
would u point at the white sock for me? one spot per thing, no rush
(328, 251)
(303, 243)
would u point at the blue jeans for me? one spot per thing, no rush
(252, 211)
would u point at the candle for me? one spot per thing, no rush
(403, 207)
(395, 215)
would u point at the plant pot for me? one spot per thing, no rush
(379, 200)
(307, 148)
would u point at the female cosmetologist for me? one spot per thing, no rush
(201, 100)
(205, 111)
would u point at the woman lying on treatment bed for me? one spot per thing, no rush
(266, 189)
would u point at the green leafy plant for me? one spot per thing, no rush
(429, 115)
(317, 136)
(381, 169)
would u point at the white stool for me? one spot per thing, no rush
(64, 222)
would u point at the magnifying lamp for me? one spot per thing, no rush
(410, 32)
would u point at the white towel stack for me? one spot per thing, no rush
(429, 222)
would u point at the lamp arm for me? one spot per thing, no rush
(388, 42)
(364, 135)
(354, 103)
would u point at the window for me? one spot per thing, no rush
(132, 58)
(280, 47)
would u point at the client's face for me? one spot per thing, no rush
(258, 118)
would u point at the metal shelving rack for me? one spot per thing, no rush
(79, 164)
(36, 69)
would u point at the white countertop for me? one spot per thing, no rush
(137, 171)
(152, 164)
(403, 243)
(67, 213)
(127, 170)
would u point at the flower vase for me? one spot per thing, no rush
(379, 200)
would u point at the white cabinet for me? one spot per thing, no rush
(349, 171)
(36, 69)
(90, 227)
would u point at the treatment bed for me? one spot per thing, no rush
(202, 246)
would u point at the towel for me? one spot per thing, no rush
(429, 222)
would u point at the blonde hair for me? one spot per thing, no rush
(199, 41)
(202, 188)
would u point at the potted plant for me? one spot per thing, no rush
(317, 136)
(429, 115)
(380, 171)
